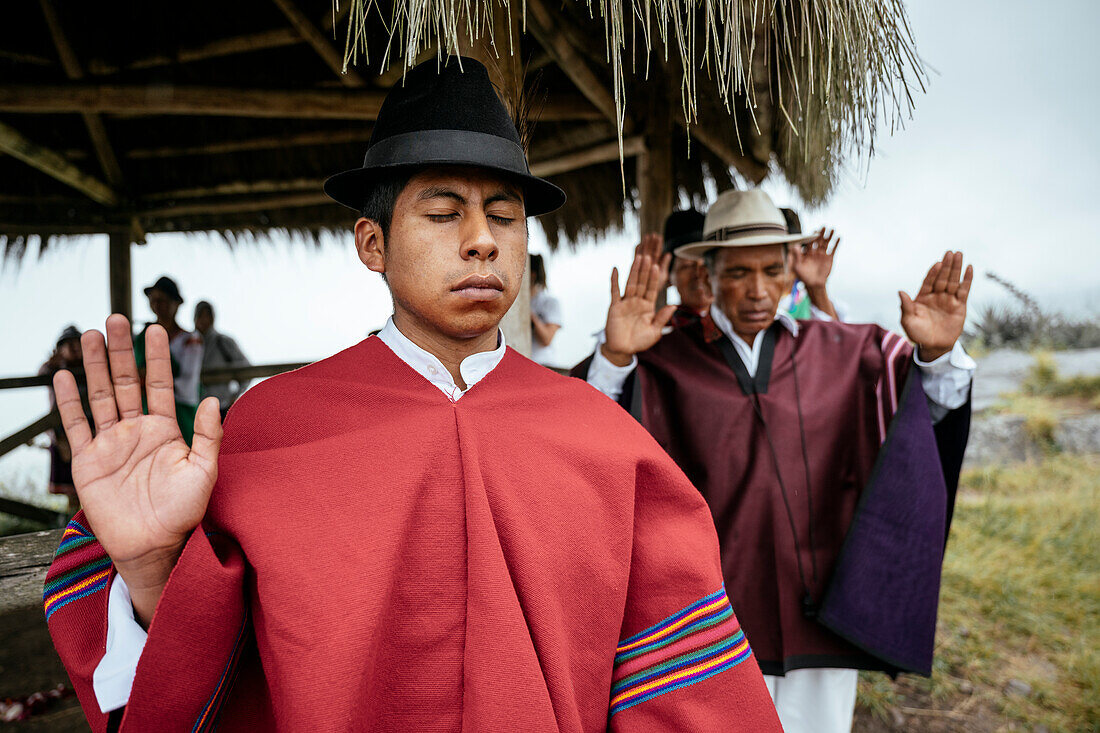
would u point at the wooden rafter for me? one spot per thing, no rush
(108, 161)
(232, 207)
(748, 167)
(238, 188)
(267, 142)
(260, 41)
(602, 153)
(54, 165)
(323, 46)
(342, 104)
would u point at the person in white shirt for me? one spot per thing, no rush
(546, 316)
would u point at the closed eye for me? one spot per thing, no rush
(442, 217)
(503, 220)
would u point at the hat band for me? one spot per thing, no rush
(452, 147)
(725, 233)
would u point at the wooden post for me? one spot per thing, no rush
(119, 257)
(656, 187)
(501, 55)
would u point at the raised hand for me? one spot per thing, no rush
(633, 323)
(142, 489)
(934, 320)
(652, 246)
(814, 264)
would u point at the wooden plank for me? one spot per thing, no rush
(257, 371)
(260, 41)
(24, 559)
(54, 165)
(749, 168)
(337, 104)
(232, 207)
(268, 142)
(322, 45)
(24, 435)
(118, 253)
(34, 513)
(602, 153)
(238, 188)
(656, 187)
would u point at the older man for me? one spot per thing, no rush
(424, 532)
(786, 428)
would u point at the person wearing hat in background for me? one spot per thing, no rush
(546, 315)
(426, 531)
(812, 263)
(66, 355)
(786, 427)
(184, 348)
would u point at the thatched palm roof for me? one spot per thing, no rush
(225, 116)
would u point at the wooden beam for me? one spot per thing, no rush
(54, 165)
(252, 371)
(269, 142)
(28, 433)
(656, 187)
(602, 153)
(233, 207)
(237, 188)
(546, 27)
(322, 45)
(24, 559)
(108, 161)
(261, 41)
(48, 517)
(340, 104)
(118, 253)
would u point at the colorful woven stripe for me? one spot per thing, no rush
(689, 646)
(79, 569)
(208, 717)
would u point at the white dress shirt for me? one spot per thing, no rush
(113, 677)
(946, 380)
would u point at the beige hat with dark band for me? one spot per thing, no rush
(742, 219)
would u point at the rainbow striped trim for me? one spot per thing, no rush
(689, 646)
(80, 568)
(208, 717)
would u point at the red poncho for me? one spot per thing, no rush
(377, 557)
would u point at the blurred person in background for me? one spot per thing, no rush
(219, 351)
(66, 355)
(545, 315)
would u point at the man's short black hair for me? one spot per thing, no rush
(204, 307)
(382, 197)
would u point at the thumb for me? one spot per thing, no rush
(663, 316)
(907, 305)
(208, 436)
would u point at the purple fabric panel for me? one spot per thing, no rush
(885, 587)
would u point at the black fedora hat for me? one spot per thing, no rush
(167, 286)
(439, 117)
(683, 227)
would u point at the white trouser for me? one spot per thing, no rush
(815, 700)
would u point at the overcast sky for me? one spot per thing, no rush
(1000, 160)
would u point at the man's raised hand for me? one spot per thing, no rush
(814, 264)
(633, 323)
(934, 319)
(142, 489)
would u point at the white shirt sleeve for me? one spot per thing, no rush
(947, 380)
(113, 677)
(607, 377)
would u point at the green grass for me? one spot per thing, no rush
(1020, 600)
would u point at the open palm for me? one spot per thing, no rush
(633, 321)
(934, 319)
(143, 490)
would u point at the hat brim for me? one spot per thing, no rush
(151, 288)
(434, 148)
(696, 250)
(350, 187)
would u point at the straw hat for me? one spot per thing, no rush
(741, 219)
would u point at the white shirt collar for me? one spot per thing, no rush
(473, 367)
(750, 355)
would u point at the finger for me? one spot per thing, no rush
(101, 396)
(663, 316)
(955, 275)
(654, 285)
(940, 285)
(664, 267)
(964, 288)
(929, 279)
(159, 394)
(124, 374)
(208, 436)
(631, 289)
(615, 296)
(836, 245)
(907, 307)
(72, 411)
(645, 275)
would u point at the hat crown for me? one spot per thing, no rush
(456, 96)
(737, 209)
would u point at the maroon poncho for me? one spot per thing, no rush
(377, 557)
(783, 476)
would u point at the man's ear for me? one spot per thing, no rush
(370, 244)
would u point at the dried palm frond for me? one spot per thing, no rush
(817, 76)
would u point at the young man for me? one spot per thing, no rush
(786, 428)
(425, 532)
(219, 350)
